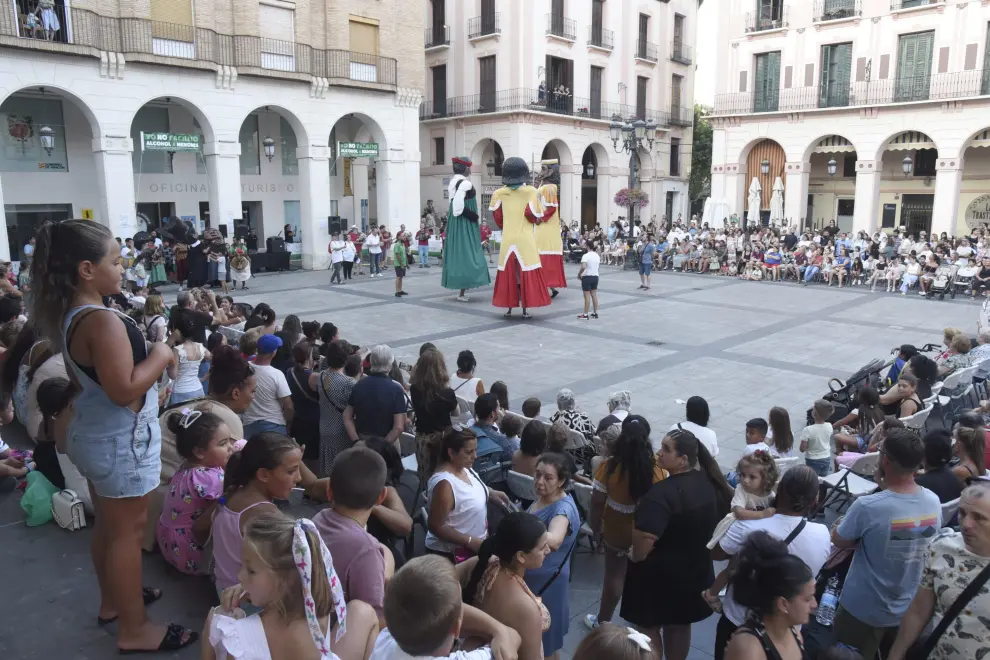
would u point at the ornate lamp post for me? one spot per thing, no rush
(630, 137)
(47, 136)
(269, 145)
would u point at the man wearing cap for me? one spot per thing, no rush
(271, 409)
(464, 264)
(548, 236)
(516, 209)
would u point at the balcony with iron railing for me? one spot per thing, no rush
(680, 52)
(681, 116)
(834, 10)
(535, 100)
(599, 37)
(937, 87)
(437, 37)
(561, 28)
(898, 5)
(142, 40)
(646, 51)
(485, 26)
(773, 17)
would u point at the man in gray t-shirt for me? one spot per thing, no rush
(890, 531)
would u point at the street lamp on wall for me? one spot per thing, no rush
(590, 170)
(832, 167)
(765, 166)
(47, 136)
(906, 165)
(269, 145)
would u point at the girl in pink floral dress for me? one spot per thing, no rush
(203, 440)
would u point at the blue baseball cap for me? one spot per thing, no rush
(269, 344)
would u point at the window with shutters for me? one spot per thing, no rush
(677, 114)
(766, 83)
(833, 88)
(363, 44)
(489, 23)
(597, 24)
(364, 37)
(488, 94)
(643, 44)
(557, 17)
(278, 37)
(172, 31)
(438, 151)
(439, 90)
(769, 14)
(914, 66)
(642, 88)
(675, 156)
(985, 87)
(596, 91)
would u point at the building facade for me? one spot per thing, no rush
(872, 112)
(232, 115)
(545, 80)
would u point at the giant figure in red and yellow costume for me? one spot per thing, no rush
(548, 239)
(517, 211)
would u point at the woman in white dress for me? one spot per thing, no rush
(287, 571)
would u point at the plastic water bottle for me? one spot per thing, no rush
(829, 603)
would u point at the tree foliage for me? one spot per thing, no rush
(701, 155)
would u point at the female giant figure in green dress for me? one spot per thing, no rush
(464, 265)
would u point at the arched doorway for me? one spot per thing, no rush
(487, 157)
(556, 149)
(589, 190)
(47, 164)
(907, 181)
(974, 197)
(832, 181)
(358, 178)
(770, 153)
(271, 193)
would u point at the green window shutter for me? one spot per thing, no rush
(759, 82)
(914, 66)
(823, 78)
(843, 70)
(766, 88)
(986, 64)
(773, 80)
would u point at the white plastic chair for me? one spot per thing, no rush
(582, 495)
(785, 464)
(521, 486)
(918, 420)
(407, 443)
(952, 404)
(849, 483)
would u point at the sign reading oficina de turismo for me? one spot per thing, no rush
(357, 149)
(169, 142)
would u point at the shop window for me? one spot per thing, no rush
(438, 149)
(22, 118)
(290, 163)
(250, 151)
(150, 119)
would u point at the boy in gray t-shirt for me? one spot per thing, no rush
(890, 531)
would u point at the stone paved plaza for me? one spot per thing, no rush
(743, 346)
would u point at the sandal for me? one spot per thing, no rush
(150, 595)
(172, 641)
(526, 316)
(507, 315)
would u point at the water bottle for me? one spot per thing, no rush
(830, 601)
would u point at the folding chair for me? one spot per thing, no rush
(785, 464)
(407, 444)
(918, 420)
(582, 495)
(465, 411)
(849, 483)
(953, 404)
(521, 486)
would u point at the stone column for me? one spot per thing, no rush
(866, 211)
(223, 163)
(115, 177)
(736, 186)
(314, 177)
(796, 193)
(948, 180)
(4, 241)
(570, 194)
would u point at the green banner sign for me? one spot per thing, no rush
(357, 149)
(169, 142)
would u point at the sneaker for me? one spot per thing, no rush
(591, 621)
(398, 294)
(595, 315)
(403, 293)
(462, 299)
(582, 317)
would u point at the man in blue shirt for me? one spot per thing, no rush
(646, 262)
(491, 440)
(890, 531)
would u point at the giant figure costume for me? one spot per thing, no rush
(548, 240)
(517, 211)
(464, 264)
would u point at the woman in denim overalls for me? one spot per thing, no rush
(113, 436)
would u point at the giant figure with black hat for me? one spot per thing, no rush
(517, 211)
(464, 265)
(548, 238)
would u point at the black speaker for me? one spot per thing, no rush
(275, 244)
(334, 224)
(223, 230)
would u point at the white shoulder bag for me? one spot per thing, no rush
(68, 511)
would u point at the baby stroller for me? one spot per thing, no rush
(943, 282)
(962, 283)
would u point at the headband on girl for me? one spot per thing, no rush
(638, 638)
(304, 564)
(188, 417)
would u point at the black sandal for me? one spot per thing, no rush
(172, 641)
(150, 595)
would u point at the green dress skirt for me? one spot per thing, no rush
(464, 263)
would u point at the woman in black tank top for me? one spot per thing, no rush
(779, 591)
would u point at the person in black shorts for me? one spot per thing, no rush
(588, 274)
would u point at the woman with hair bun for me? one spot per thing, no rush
(778, 590)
